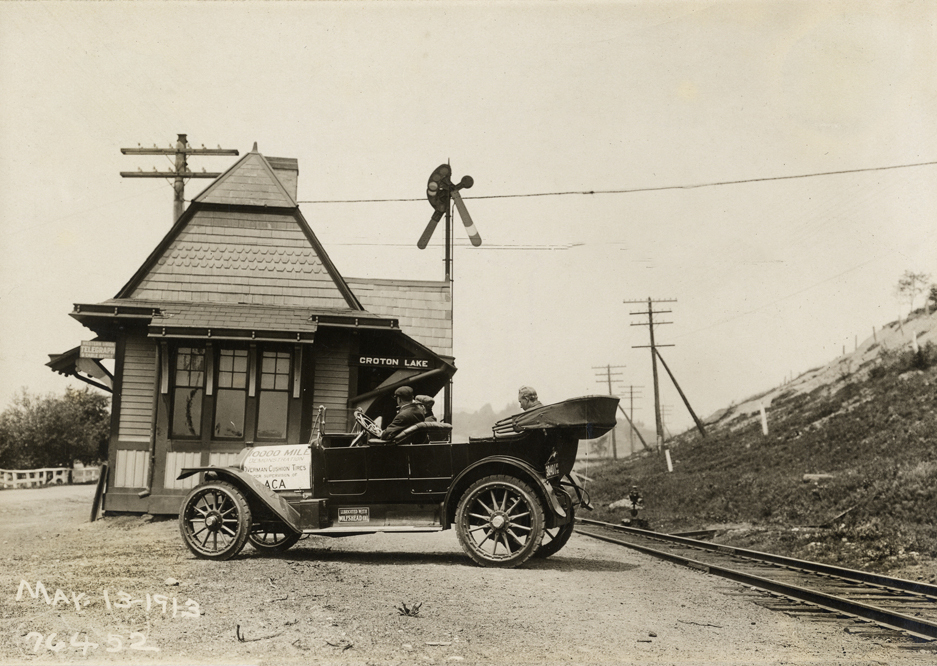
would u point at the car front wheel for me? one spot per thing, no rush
(499, 521)
(215, 521)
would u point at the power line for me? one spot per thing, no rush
(634, 190)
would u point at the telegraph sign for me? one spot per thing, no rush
(98, 349)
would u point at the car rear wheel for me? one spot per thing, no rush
(499, 521)
(215, 521)
(272, 537)
(556, 537)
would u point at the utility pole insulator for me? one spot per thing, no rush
(181, 170)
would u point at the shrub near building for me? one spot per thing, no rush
(54, 431)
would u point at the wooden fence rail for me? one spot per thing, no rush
(32, 478)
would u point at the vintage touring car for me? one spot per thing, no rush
(510, 496)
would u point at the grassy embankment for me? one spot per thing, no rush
(876, 436)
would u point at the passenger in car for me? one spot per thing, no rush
(527, 397)
(426, 403)
(408, 414)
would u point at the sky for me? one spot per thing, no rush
(647, 104)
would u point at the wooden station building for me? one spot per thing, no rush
(237, 329)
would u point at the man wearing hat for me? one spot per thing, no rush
(408, 414)
(426, 403)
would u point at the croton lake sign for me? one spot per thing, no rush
(394, 362)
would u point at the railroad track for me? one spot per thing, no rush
(891, 604)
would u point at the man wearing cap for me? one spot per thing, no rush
(426, 403)
(408, 414)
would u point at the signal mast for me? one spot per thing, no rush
(439, 191)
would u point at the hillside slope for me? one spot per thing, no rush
(872, 428)
(892, 339)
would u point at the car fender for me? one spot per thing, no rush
(521, 465)
(255, 490)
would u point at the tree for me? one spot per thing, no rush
(910, 284)
(932, 296)
(52, 431)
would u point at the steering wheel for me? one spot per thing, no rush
(367, 424)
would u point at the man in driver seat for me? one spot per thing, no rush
(408, 414)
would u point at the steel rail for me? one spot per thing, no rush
(915, 587)
(890, 619)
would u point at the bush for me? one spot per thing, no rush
(51, 431)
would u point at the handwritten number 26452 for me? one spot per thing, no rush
(115, 642)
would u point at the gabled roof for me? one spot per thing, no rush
(242, 241)
(250, 182)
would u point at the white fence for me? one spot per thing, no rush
(32, 478)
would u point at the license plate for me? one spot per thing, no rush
(354, 515)
(553, 469)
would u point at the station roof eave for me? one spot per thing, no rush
(164, 320)
(233, 321)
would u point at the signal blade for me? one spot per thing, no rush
(466, 219)
(430, 228)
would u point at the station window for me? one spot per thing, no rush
(188, 392)
(273, 402)
(231, 394)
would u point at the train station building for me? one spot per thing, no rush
(238, 329)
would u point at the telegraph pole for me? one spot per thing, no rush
(180, 170)
(631, 397)
(653, 346)
(655, 355)
(608, 377)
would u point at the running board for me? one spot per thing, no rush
(373, 530)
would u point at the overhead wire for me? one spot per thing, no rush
(634, 190)
(823, 219)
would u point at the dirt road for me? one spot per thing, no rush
(126, 590)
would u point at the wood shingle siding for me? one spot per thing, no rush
(422, 308)
(137, 386)
(251, 182)
(229, 257)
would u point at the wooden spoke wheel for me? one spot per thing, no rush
(272, 537)
(215, 521)
(499, 521)
(556, 537)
